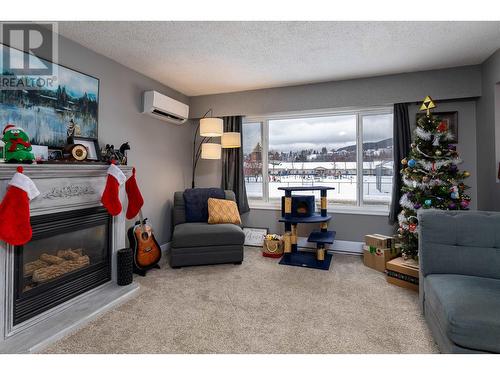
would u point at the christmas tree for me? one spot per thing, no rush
(430, 175)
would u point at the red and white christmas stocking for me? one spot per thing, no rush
(111, 195)
(135, 200)
(15, 225)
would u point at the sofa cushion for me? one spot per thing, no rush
(467, 309)
(223, 211)
(204, 234)
(459, 242)
(196, 203)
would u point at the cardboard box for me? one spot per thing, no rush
(380, 241)
(377, 258)
(402, 283)
(403, 273)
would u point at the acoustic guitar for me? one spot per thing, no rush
(147, 252)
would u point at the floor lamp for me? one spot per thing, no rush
(209, 128)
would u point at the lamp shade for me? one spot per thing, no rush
(211, 127)
(231, 140)
(210, 151)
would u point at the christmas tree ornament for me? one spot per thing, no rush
(464, 204)
(435, 141)
(135, 200)
(425, 179)
(416, 206)
(427, 105)
(454, 195)
(404, 161)
(452, 206)
(412, 228)
(15, 225)
(442, 127)
(17, 146)
(438, 153)
(111, 195)
(427, 202)
(466, 174)
(412, 163)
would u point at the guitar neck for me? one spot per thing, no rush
(141, 218)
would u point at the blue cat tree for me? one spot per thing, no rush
(292, 256)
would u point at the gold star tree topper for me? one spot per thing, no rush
(427, 105)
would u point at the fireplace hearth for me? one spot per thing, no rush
(66, 275)
(68, 255)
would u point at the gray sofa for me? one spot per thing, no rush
(460, 279)
(202, 243)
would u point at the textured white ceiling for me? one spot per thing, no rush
(198, 58)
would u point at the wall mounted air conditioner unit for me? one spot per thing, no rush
(165, 108)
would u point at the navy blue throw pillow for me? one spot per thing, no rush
(196, 203)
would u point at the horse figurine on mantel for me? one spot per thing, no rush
(120, 156)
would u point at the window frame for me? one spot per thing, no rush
(359, 113)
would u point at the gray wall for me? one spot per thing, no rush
(160, 151)
(487, 167)
(454, 83)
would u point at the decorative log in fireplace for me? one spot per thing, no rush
(69, 254)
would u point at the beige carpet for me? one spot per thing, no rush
(260, 307)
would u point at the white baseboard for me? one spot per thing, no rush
(339, 246)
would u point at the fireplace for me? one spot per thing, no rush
(69, 254)
(43, 297)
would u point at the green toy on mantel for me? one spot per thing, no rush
(17, 145)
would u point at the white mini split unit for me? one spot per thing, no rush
(165, 108)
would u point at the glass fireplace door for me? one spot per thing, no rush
(48, 259)
(69, 253)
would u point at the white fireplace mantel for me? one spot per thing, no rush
(62, 187)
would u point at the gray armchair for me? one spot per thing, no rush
(460, 279)
(202, 243)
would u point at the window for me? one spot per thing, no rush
(252, 159)
(349, 150)
(377, 159)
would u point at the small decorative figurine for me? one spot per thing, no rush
(109, 153)
(17, 145)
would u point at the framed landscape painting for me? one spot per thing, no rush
(69, 107)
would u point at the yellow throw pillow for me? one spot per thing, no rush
(223, 211)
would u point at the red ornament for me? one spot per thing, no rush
(442, 127)
(412, 228)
